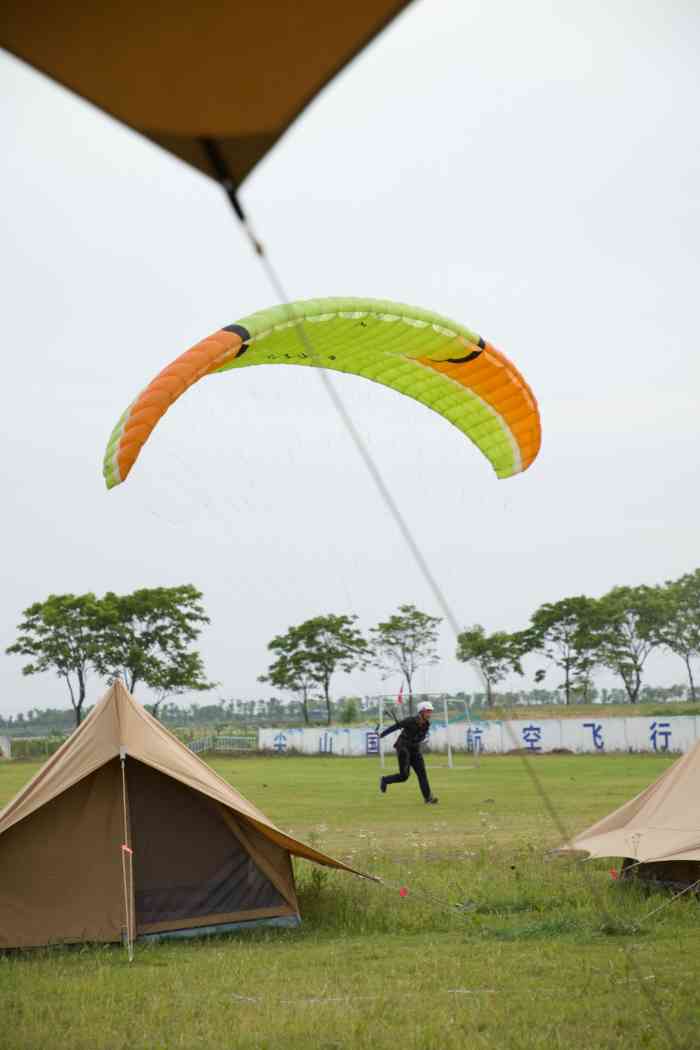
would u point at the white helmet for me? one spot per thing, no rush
(425, 706)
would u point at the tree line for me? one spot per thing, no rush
(576, 636)
(579, 635)
(145, 638)
(309, 654)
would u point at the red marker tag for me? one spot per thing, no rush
(614, 873)
(126, 848)
(403, 892)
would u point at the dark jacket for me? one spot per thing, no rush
(414, 730)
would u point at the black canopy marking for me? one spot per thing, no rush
(238, 329)
(470, 356)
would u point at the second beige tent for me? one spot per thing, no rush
(657, 833)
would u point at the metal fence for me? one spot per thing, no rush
(223, 744)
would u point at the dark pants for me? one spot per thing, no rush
(407, 759)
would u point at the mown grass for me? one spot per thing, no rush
(550, 953)
(538, 712)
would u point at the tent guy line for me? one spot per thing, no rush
(665, 904)
(316, 1000)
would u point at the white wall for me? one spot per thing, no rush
(586, 735)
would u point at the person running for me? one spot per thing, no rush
(414, 730)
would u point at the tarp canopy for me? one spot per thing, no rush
(203, 855)
(661, 824)
(216, 84)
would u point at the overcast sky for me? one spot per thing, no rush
(532, 171)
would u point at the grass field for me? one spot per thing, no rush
(552, 953)
(538, 712)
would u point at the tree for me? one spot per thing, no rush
(680, 631)
(314, 650)
(628, 624)
(63, 634)
(183, 674)
(496, 655)
(349, 712)
(275, 709)
(563, 632)
(405, 642)
(147, 638)
(291, 671)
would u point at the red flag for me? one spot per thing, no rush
(399, 698)
(403, 892)
(614, 874)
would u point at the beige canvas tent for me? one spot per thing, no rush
(657, 834)
(124, 832)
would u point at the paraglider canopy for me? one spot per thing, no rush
(216, 84)
(415, 352)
